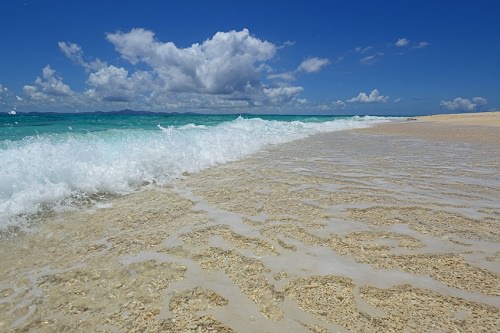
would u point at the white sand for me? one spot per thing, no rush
(479, 118)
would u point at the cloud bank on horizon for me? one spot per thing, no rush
(463, 104)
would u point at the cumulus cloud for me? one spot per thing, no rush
(463, 104)
(48, 86)
(195, 101)
(313, 65)
(373, 97)
(74, 52)
(116, 85)
(401, 42)
(479, 101)
(227, 62)
(224, 71)
(280, 95)
(338, 104)
(331, 105)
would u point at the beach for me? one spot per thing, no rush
(479, 118)
(385, 229)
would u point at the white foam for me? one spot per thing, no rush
(60, 170)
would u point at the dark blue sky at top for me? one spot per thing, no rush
(447, 60)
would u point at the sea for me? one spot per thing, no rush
(58, 161)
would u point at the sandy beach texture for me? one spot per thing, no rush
(479, 118)
(388, 229)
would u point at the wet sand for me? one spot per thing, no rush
(393, 228)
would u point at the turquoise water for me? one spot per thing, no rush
(55, 161)
(21, 125)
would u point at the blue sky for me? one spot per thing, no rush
(323, 57)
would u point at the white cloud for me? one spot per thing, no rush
(264, 98)
(72, 51)
(373, 97)
(33, 93)
(338, 104)
(288, 43)
(479, 101)
(226, 63)
(397, 100)
(371, 59)
(194, 101)
(224, 71)
(48, 86)
(367, 60)
(313, 65)
(362, 50)
(331, 105)
(422, 45)
(402, 42)
(463, 104)
(280, 95)
(287, 76)
(114, 84)
(75, 53)
(310, 65)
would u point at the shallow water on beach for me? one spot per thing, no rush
(345, 231)
(54, 162)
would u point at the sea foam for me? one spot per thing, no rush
(61, 170)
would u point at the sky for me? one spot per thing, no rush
(217, 56)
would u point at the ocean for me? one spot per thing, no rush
(51, 162)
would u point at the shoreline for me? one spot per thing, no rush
(387, 228)
(479, 128)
